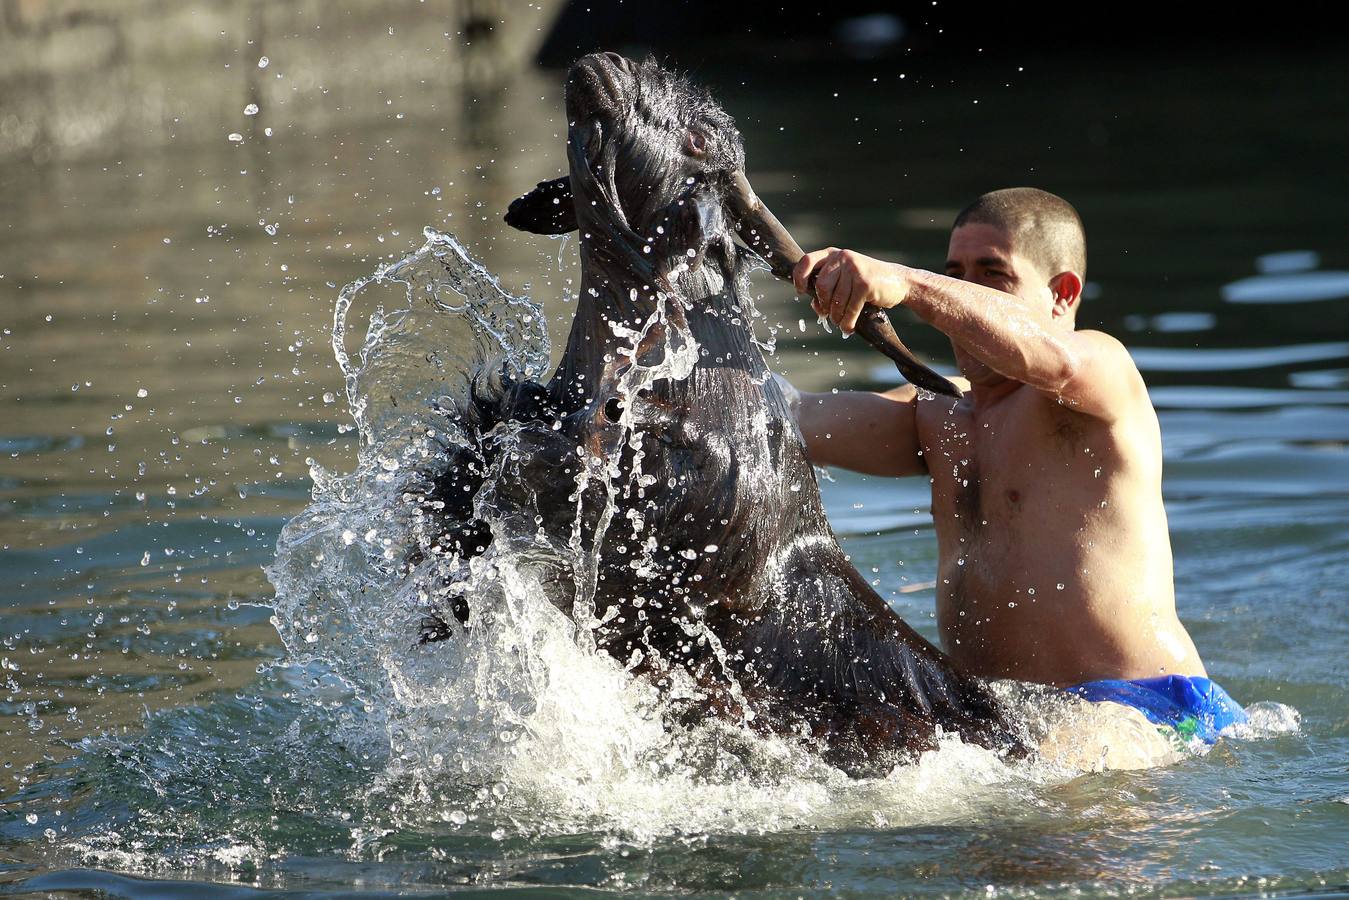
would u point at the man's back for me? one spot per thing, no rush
(1054, 556)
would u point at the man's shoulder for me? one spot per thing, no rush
(1110, 354)
(1104, 380)
(1103, 341)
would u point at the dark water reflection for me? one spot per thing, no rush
(167, 299)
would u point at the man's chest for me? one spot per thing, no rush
(996, 465)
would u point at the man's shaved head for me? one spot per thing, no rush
(1042, 227)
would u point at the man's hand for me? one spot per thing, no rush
(846, 281)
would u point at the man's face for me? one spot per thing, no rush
(983, 254)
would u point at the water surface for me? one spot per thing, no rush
(169, 381)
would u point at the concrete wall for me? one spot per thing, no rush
(82, 78)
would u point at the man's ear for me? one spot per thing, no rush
(548, 209)
(1067, 290)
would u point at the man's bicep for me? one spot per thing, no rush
(1104, 380)
(875, 434)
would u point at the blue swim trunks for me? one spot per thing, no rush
(1194, 707)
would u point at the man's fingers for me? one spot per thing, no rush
(843, 299)
(826, 277)
(800, 272)
(843, 283)
(807, 264)
(857, 300)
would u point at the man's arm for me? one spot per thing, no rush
(1089, 371)
(875, 434)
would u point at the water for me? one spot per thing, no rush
(156, 732)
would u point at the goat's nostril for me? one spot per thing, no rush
(617, 59)
(613, 409)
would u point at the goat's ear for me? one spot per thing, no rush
(548, 209)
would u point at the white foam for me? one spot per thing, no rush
(518, 720)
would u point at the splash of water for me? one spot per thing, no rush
(518, 717)
(519, 703)
(365, 743)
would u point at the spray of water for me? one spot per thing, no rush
(519, 702)
(365, 742)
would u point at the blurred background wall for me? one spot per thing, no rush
(87, 76)
(76, 75)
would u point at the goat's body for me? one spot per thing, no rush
(710, 546)
(658, 484)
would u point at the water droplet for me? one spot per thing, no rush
(1059, 586)
(459, 817)
(236, 137)
(263, 62)
(31, 818)
(251, 109)
(142, 393)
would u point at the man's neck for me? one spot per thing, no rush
(986, 385)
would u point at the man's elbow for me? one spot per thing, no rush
(1057, 373)
(1067, 370)
(1050, 373)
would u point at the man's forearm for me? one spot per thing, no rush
(1001, 330)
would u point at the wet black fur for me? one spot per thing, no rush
(806, 647)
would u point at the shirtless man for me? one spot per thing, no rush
(1054, 561)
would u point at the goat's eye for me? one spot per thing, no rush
(695, 144)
